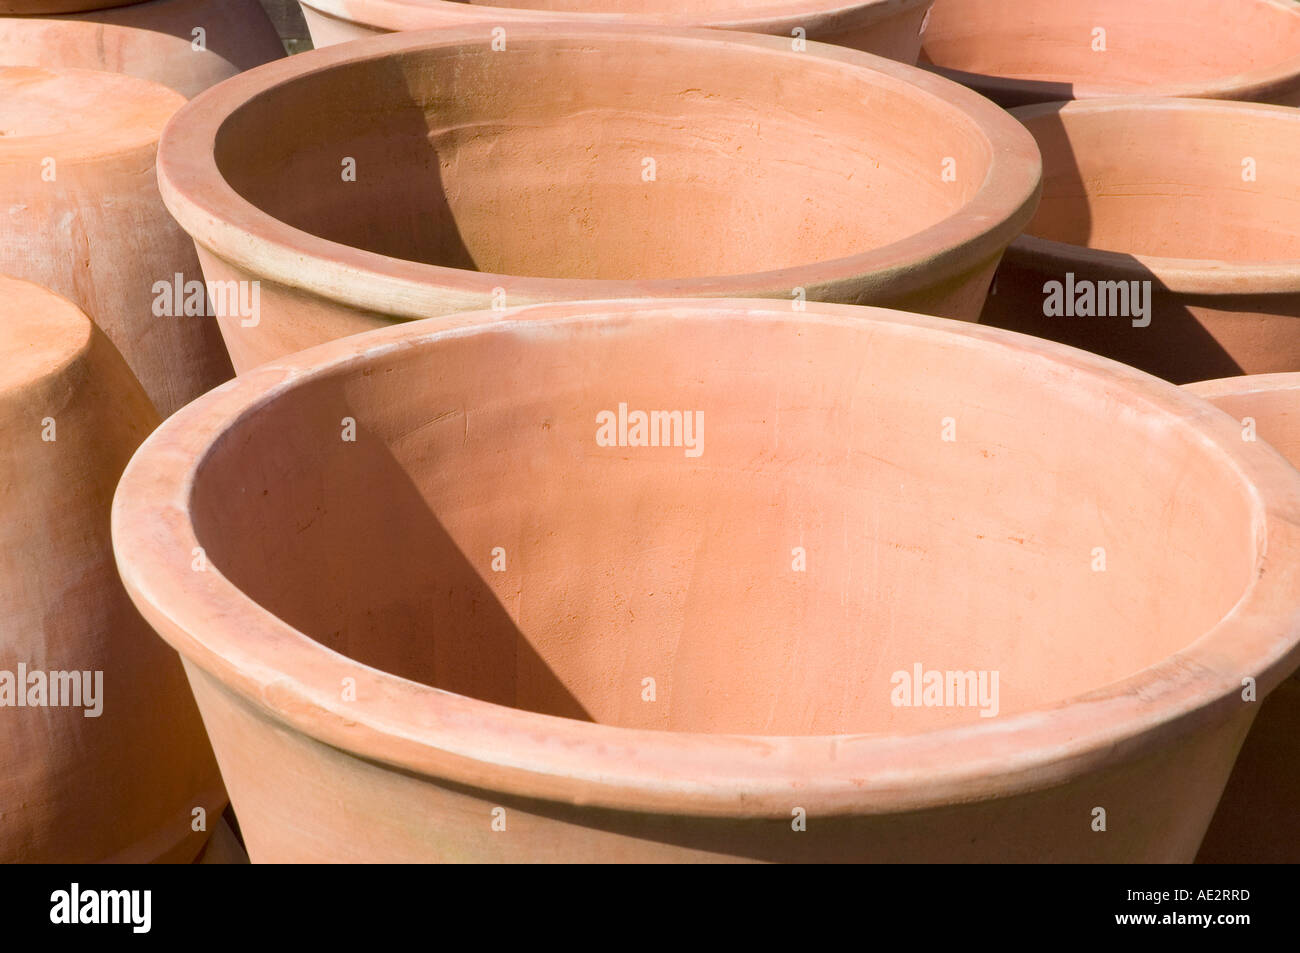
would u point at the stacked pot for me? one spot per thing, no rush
(632, 456)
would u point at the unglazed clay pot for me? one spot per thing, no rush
(1258, 820)
(1177, 219)
(77, 151)
(102, 753)
(187, 45)
(1018, 52)
(891, 28)
(674, 580)
(424, 174)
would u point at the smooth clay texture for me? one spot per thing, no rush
(1018, 52)
(123, 784)
(508, 603)
(1178, 218)
(426, 174)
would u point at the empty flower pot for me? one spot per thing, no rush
(77, 153)
(891, 28)
(102, 753)
(703, 580)
(1258, 820)
(187, 45)
(1167, 237)
(424, 174)
(1018, 52)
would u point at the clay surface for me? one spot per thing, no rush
(22, 7)
(503, 607)
(1018, 52)
(85, 219)
(424, 174)
(891, 28)
(1258, 820)
(1190, 206)
(155, 41)
(117, 775)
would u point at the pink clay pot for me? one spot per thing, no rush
(121, 785)
(153, 41)
(77, 153)
(1258, 820)
(1196, 197)
(484, 179)
(494, 626)
(891, 28)
(1018, 52)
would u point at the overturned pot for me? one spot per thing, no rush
(424, 174)
(102, 754)
(891, 28)
(1258, 820)
(709, 580)
(1018, 52)
(186, 45)
(1166, 237)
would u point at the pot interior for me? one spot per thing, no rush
(1272, 401)
(482, 535)
(1170, 179)
(613, 157)
(698, 8)
(1148, 43)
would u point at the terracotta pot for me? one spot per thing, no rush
(155, 41)
(609, 180)
(1192, 207)
(1018, 52)
(891, 28)
(85, 219)
(116, 769)
(502, 628)
(1258, 820)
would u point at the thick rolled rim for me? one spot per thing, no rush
(233, 229)
(438, 734)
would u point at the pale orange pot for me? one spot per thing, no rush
(1018, 52)
(460, 611)
(187, 45)
(126, 773)
(1258, 820)
(424, 174)
(891, 28)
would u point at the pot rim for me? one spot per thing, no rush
(1250, 85)
(1244, 384)
(1200, 276)
(433, 733)
(233, 229)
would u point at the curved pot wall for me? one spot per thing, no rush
(187, 45)
(85, 219)
(417, 175)
(1166, 236)
(1019, 52)
(102, 754)
(467, 606)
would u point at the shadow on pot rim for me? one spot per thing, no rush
(429, 731)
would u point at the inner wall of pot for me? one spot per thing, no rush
(477, 535)
(640, 7)
(1147, 43)
(613, 158)
(1274, 412)
(1171, 181)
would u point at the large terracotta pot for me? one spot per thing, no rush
(116, 770)
(84, 218)
(158, 41)
(1018, 52)
(1258, 820)
(891, 28)
(423, 174)
(459, 608)
(1196, 198)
